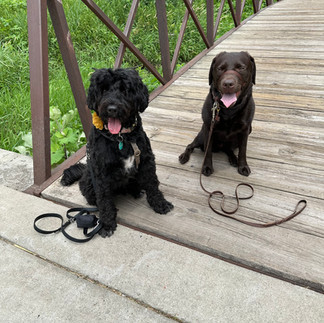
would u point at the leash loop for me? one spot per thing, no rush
(84, 218)
(227, 213)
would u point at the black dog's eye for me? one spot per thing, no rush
(221, 68)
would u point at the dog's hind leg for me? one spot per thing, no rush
(87, 189)
(134, 189)
(72, 174)
(198, 142)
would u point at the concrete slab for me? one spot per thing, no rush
(35, 290)
(159, 275)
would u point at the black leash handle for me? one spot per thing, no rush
(71, 219)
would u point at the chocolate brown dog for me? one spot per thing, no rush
(231, 78)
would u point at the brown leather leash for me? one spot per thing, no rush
(229, 214)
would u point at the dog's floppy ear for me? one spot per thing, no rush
(141, 95)
(212, 66)
(211, 71)
(253, 69)
(99, 80)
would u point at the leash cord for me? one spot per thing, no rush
(229, 214)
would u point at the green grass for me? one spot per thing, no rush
(95, 46)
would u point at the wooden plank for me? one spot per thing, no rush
(288, 110)
(298, 79)
(199, 89)
(261, 129)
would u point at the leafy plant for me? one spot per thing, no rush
(66, 136)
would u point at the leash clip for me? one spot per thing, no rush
(72, 219)
(120, 141)
(215, 111)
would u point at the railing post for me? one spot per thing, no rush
(164, 38)
(238, 10)
(39, 88)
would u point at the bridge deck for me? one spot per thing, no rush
(285, 152)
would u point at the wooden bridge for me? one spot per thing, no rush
(285, 153)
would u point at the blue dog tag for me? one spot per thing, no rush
(120, 145)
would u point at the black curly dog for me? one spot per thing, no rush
(120, 158)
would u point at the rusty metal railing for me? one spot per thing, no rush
(38, 60)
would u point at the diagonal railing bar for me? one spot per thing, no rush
(62, 32)
(238, 6)
(120, 35)
(255, 5)
(180, 39)
(127, 31)
(219, 15)
(242, 8)
(236, 21)
(197, 23)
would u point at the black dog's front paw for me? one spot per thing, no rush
(244, 170)
(108, 230)
(162, 206)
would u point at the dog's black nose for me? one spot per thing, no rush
(228, 84)
(112, 110)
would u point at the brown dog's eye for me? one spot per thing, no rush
(241, 67)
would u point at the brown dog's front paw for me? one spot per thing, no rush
(183, 158)
(244, 170)
(207, 170)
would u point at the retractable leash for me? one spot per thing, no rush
(228, 214)
(83, 218)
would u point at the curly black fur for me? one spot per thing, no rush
(118, 94)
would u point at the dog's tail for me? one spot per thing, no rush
(73, 174)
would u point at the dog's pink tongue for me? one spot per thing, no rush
(228, 99)
(114, 125)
